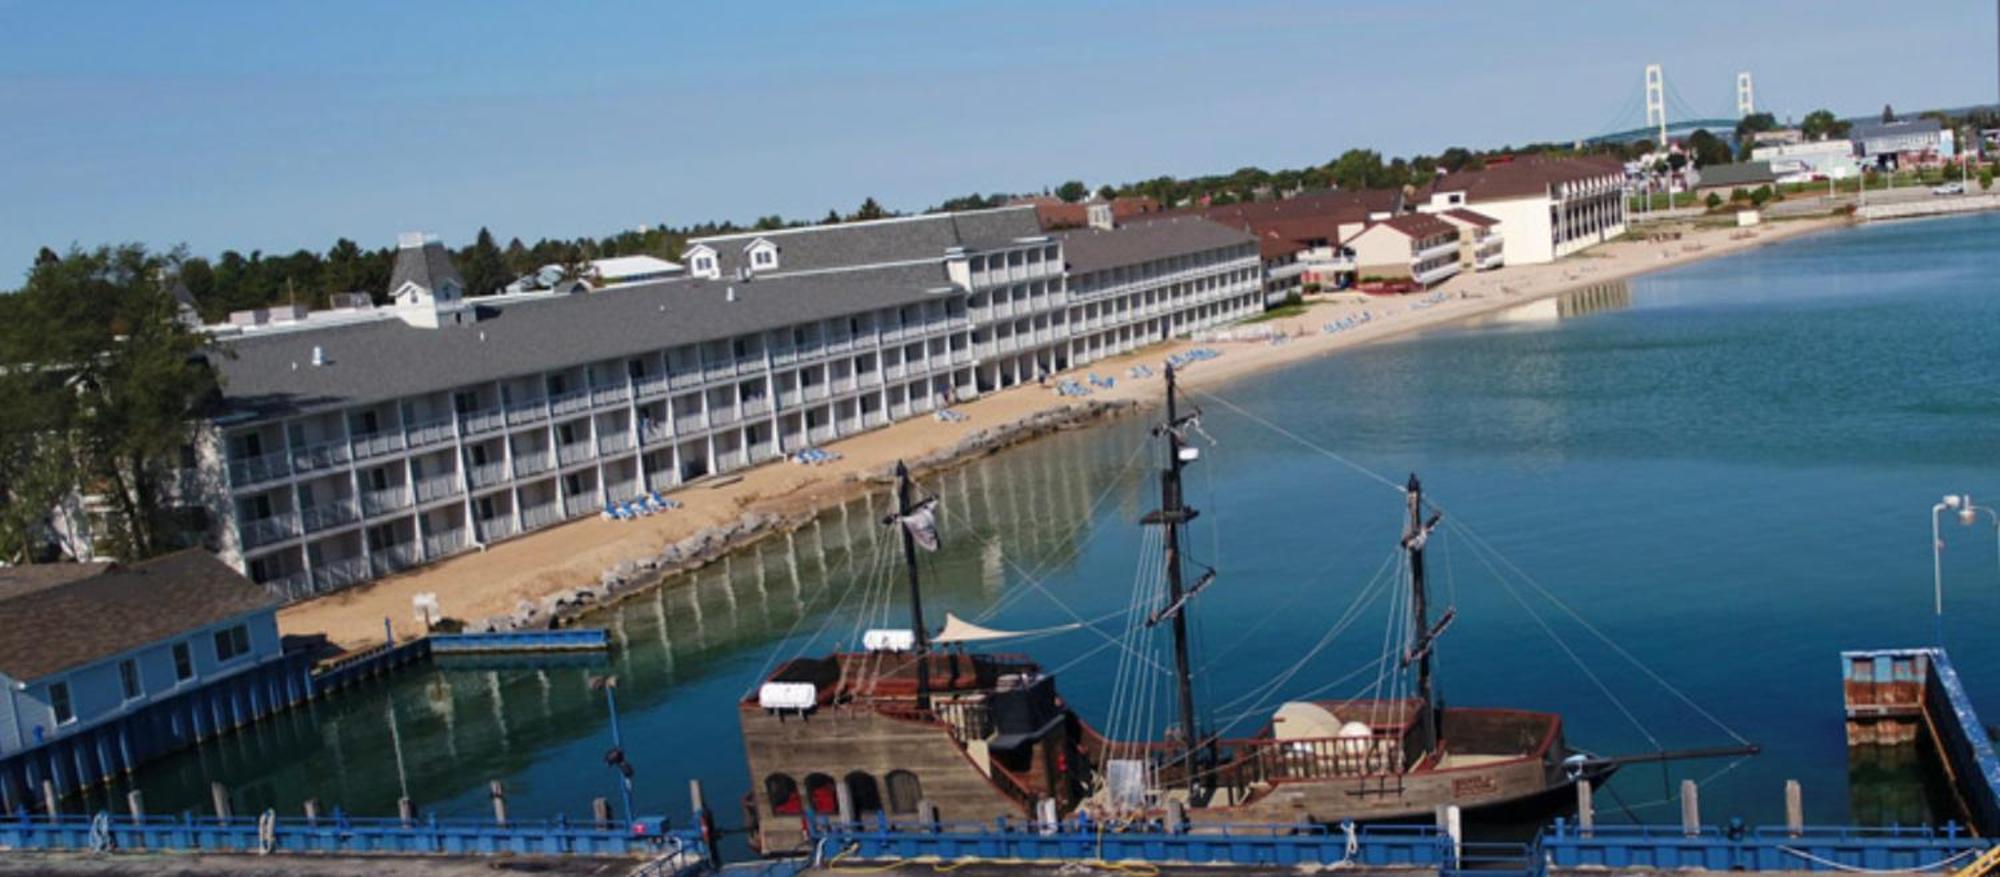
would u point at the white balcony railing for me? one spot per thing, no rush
(340, 573)
(652, 385)
(258, 469)
(264, 531)
(496, 528)
(386, 560)
(484, 421)
(570, 402)
(444, 542)
(429, 432)
(438, 487)
(377, 444)
(324, 455)
(607, 395)
(574, 452)
(487, 474)
(532, 461)
(528, 411)
(328, 515)
(614, 442)
(387, 499)
(540, 516)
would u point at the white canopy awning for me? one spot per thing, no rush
(959, 630)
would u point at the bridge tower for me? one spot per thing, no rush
(1656, 102)
(1746, 95)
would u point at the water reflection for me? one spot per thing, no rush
(1615, 295)
(683, 654)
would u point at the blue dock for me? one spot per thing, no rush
(1904, 696)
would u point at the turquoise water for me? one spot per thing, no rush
(1726, 469)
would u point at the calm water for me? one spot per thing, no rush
(1727, 470)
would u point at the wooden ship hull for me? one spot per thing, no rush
(996, 741)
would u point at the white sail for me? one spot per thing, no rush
(959, 630)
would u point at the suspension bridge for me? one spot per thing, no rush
(1659, 112)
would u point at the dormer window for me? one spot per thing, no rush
(763, 255)
(702, 262)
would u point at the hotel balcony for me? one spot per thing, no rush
(388, 499)
(1436, 274)
(377, 444)
(570, 402)
(540, 516)
(575, 452)
(613, 443)
(340, 573)
(444, 542)
(430, 432)
(487, 474)
(1287, 270)
(484, 421)
(264, 531)
(652, 385)
(603, 396)
(330, 515)
(386, 560)
(655, 433)
(258, 469)
(529, 411)
(438, 487)
(324, 455)
(527, 463)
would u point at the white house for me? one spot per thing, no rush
(1550, 207)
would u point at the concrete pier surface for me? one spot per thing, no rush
(20, 864)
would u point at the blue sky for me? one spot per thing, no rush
(280, 125)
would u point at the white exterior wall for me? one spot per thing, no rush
(1529, 233)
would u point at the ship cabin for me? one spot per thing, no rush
(848, 735)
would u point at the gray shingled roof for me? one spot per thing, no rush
(1091, 249)
(89, 612)
(1742, 173)
(428, 266)
(272, 375)
(820, 247)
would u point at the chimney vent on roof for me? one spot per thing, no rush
(319, 355)
(729, 294)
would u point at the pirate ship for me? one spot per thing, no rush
(915, 728)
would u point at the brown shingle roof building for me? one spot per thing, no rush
(57, 617)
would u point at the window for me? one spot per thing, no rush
(183, 662)
(232, 643)
(763, 257)
(59, 704)
(704, 264)
(904, 792)
(865, 795)
(128, 679)
(784, 795)
(821, 794)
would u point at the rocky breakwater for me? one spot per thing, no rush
(711, 544)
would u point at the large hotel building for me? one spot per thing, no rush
(358, 442)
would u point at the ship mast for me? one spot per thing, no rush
(1415, 534)
(1172, 515)
(921, 647)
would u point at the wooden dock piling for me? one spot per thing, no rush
(498, 790)
(1795, 809)
(1690, 808)
(220, 795)
(135, 801)
(1586, 818)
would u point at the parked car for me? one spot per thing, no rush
(1949, 189)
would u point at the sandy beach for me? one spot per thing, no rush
(496, 580)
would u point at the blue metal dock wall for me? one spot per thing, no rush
(1286, 845)
(576, 639)
(1814, 848)
(341, 834)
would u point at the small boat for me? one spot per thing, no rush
(916, 729)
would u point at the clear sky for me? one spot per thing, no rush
(280, 125)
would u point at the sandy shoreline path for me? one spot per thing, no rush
(494, 581)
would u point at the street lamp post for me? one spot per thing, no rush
(616, 757)
(1968, 514)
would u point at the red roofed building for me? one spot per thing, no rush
(1548, 207)
(1056, 214)
(1480, 244)
(1415, 246)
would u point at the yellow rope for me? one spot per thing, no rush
(1141, 869)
